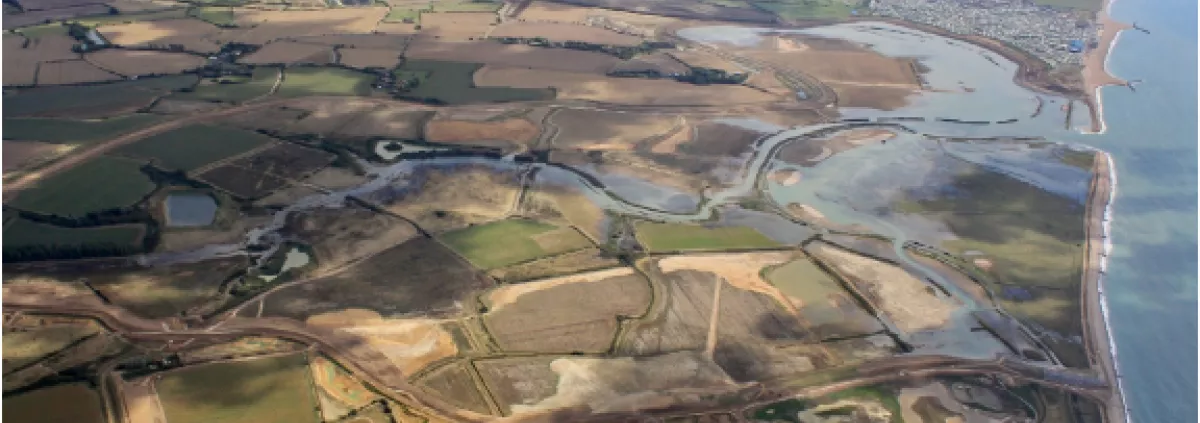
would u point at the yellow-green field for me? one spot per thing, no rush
(74, 131)
(507, 242)
(268, 390)
(676, 237)
(305, 81)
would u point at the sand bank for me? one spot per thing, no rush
(1095, 67)
(1101, 348)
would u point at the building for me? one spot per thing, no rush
(1075, 46)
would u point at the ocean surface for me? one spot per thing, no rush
(1151, 282)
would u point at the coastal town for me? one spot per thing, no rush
(1057, 36)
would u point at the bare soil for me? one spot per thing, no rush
(191, 33)
(409, 344)
(520, 132)
(458, 26)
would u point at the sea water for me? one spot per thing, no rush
(1151, 280)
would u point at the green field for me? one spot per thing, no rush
(192, 147)
(69, 403)
(39, 31)
(21, 233)
(453, 83)
(99, 184)
(466, 6)
(807, 9)
(155, 15)
(399, 14)
(507, 242)
(268, 390)
(219, 16)
(236, 90)
(93, 99)
(306, 81)
(71, 131)
(677, 237)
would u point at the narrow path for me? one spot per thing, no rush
(713, 318)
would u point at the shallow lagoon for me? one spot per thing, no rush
(190, 209)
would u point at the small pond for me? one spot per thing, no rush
(190, 209)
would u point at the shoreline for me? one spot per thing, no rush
(1095, 67)
(1101, 347)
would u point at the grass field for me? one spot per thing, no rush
(194, 146)
(305, 81)
(675, 237)
(466, 6)
(101, 20)
(99, 184)
(74, 131)
(399, 14)
(806, 9)
(269, 390)
(507, 242)
(453, 83)
(237, 90)
(25, 347)
(104, 99)
(219, 16)
(82, 405)
(21, 232)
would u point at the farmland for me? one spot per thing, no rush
(453, 383)
(493, 53)
(518, 132)
(288, 53)
(554, 31)
(406, 344)
(76, 192)
(308, 81)
(134, 63)
(46, 405)
(597, 130)
(195, 146)
(275, 389)
(339, 236)
(517, 381)
(368, 57)
(74, 131)
(167, 291)
(458, 26)
(561, 314)
(452, 83)
(286, 160)
(579, 86)
(113, 99)
(512, 241)
(675, 237)
(562, 264)
(416, 276)
(234, 89)
(241, 182)
(23, 347)
(26, 233)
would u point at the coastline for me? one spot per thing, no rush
(1101, 348)
(1095, 67)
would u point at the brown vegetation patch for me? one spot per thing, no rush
(573, 262)
(190, 33)
(369, 57)
(579, 86)
(409, 344)
(518, 380)
(458, 26)
(71, 72)
(134, 62)
(286, 160)
(603, 384)
(720, 140)
(336, 178)
(415, 277)
(287, 53)
(682, 134)
(875, 97)
(785, 177)
(604, 130)
(912, 305)
(248, 346)
(681, 319)
(356, 41)
(443, 198)
(331, 379)
(342, 235)
(566, 205)
(242, 182)
(190, 239)
(742, 270)
(515, 55)
(702, 59)
(24, 154)
(454, 384)
(405, 122)
(516, 131)
(554, 31)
